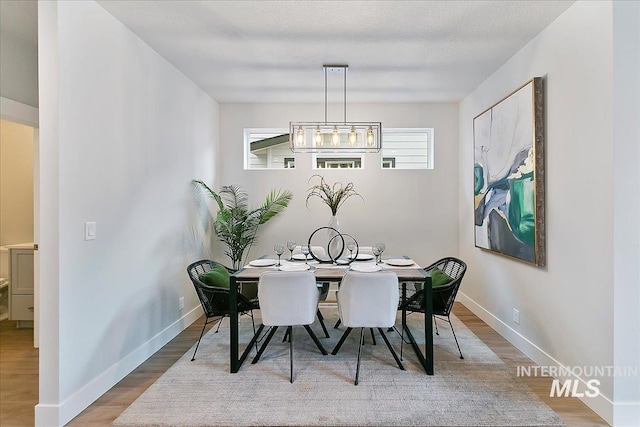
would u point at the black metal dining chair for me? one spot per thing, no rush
(444, 295)
(215, 299)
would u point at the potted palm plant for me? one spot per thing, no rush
(235, 224)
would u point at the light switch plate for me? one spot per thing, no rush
(89, 231)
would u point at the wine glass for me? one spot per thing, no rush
(377, 251)
(279, 249)
(305, 252)
(382, 247)
(351, 246)
(291, 245)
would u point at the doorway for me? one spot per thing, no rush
(19, 208)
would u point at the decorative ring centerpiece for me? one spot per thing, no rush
(333, 257)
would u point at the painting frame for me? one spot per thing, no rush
(509, 175)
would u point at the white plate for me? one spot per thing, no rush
(362, 257)
(300, 257)
(365, 268)
(400, 262)
(294, 267)
(263, 262)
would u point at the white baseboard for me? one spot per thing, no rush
(601, 404)
(59, 415)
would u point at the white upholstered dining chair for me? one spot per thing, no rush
(323, 287)
(288, 299)
(368, 300)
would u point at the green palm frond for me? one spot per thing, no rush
(200, 186)
(235, 197)
(237, 226)
(275, 203)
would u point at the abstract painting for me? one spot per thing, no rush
(508, 171)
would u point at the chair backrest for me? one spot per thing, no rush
(288, 298)
(318, 251)
(367, 250)
(445, 296)
(368, 300)
(215, 301)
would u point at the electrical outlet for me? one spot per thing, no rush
(181, 303)
(516, 316)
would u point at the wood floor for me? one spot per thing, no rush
(19, 377)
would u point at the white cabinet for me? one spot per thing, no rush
(4, 298)
(21, 284)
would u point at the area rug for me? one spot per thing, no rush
(477, 391)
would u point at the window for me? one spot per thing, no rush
(407, 148)
(402, 148)
(267, 149)
(338, 162)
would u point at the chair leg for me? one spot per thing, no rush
(401, 343)
(454, 337)
(253, 323)
(337, 324)
(201, 333)
(264, 345)
(344, 337)
(321, 320)
(315, 339)
(286, 336)
(393, 352)
(219, 323)
(373, 338)
(359, 352)
(290, 330)
(435, 324)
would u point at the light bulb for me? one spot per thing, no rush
(317, 139)
(370, 137)
(300, 137)
(353, 137)
(335, 137)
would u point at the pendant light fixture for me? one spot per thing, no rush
(335, 137)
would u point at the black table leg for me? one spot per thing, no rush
(426, 360)
(234, 364)
(428, 326)
(404, 300)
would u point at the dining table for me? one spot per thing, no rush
(335, 273)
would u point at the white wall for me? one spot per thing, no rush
(566, 308)
(626, 207)
(122, 134)
(16, 183)
(18, 70)
(412, 211)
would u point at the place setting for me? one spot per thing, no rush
(399, 262)
(293, 263)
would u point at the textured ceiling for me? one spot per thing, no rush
(273, 51)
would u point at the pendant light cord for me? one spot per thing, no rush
(345, 95)
(325, 94)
